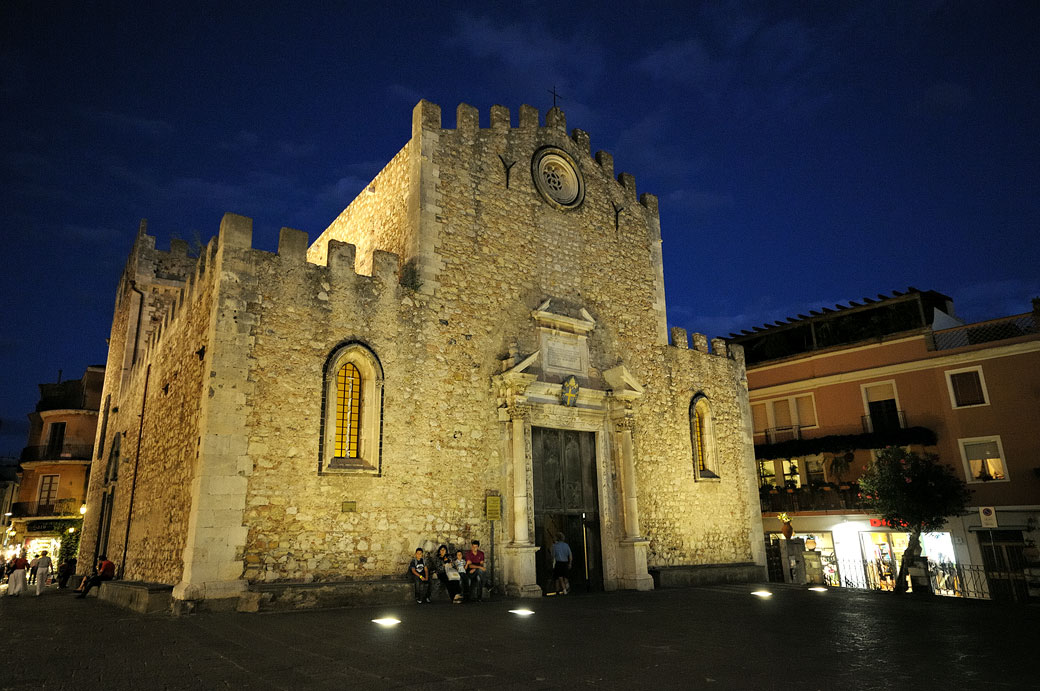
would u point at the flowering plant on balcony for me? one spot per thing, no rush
(784, 516)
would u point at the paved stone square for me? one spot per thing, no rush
(716, 637)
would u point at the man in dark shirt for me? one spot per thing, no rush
(106, 571)
(476, 571)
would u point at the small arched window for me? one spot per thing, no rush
(702, 439)
(348, 411)
(352, 411)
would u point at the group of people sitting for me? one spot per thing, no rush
(461, 575)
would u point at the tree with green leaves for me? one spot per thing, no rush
(914, 492)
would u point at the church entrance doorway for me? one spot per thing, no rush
(566, 501)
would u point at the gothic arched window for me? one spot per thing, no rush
(352, 410)
(702, 438)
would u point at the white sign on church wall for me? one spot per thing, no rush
(565, 354)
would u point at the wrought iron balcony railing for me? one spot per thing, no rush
(886, 422)
(35, 509)
(779, 434)
(776, 499)
(53, 452)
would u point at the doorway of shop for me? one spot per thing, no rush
(566, 502)
(1004, 560)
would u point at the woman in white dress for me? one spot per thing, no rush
(17, 584)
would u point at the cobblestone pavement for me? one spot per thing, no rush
(714, 637)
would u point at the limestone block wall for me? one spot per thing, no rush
(434, 460)
(230, 468)
(503, 249)
(167, 384)
(500, 252)
(691, 521)
(378, 218)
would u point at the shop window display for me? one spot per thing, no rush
(822, 542)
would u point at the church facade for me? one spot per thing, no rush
(476, 348)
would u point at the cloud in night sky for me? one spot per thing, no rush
(798, 150)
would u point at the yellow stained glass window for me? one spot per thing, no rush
(348, 411)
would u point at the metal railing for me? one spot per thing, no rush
(959, 580)
(55, 452)
(775, 499)
(948, 580)
(35, 509)
(986, 332)
(779, 434)
(883, 423)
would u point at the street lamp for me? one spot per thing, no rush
(82, 509)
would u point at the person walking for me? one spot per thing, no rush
(16, 583)
(562, 560)
(43, 572)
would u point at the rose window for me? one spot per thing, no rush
(557, 178)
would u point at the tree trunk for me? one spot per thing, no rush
(913, 551)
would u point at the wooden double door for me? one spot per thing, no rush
(566, 500)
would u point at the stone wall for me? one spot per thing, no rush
(501, 251)
(167, 381)
(258, 505)
(378, 218)
(689, 520)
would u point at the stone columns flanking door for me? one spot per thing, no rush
(632, 568)
(519, 558)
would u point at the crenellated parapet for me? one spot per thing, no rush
(679, 339)
(427, 117)
(339, 270)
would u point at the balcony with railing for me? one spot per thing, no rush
(987, 332)
(57, 452)
(806, 498)
(37, 509)
(775, 435)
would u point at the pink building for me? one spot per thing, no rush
(831, 387)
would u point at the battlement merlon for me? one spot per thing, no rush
(427, 116)
(679, 339)
(145, 265)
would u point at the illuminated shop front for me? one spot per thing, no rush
(863, 553)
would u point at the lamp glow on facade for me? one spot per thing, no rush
(72, 530)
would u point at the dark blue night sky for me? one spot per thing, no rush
(804, 154)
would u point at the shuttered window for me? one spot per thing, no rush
(967, 388)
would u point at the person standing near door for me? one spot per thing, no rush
(562, 560)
